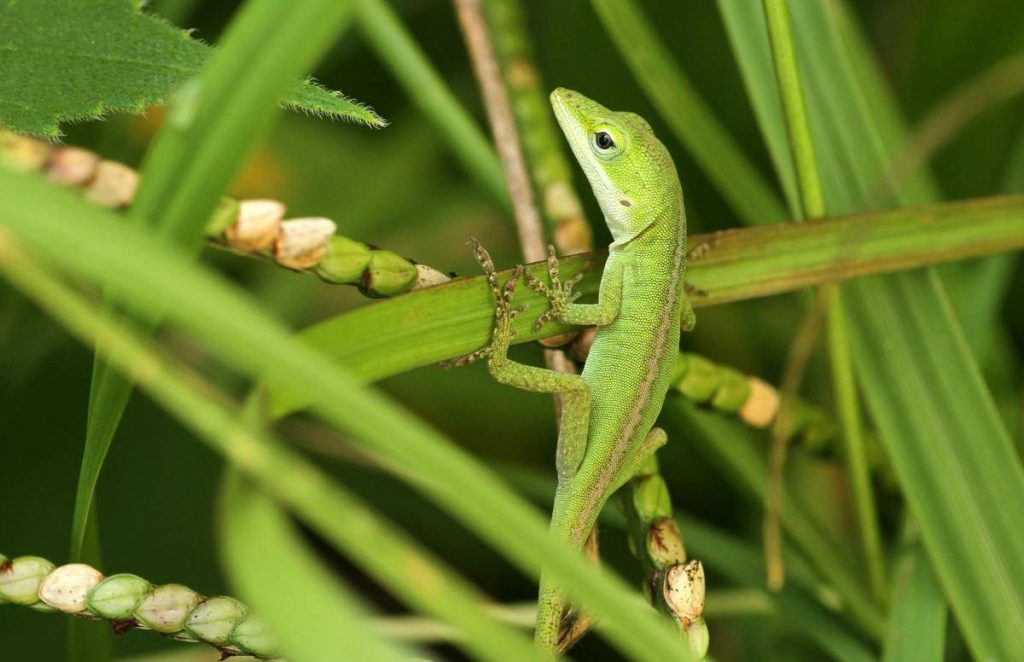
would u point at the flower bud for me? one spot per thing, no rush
(733, 391)
(302, 242)
(22, 153)
(72, 166)
(253, 636)
(213, 620)
(166, 608)
(664, 543)
(116, 597)
(223, 217)
(697, 636)
(429, 276)
(256, 226)
(683, 591)
(113, 185)
(344, 262)
(21, 577)
(65, 589)
(387, 274)
(700, 380)
(651, 499)
(761, 406)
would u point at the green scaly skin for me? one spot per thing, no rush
(608, 411)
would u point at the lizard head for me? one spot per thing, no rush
(631, 172)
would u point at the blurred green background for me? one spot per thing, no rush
(399, 188)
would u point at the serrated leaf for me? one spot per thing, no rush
(65, 60)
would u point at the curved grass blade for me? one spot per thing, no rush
(210, 128)
(267, 560)
(917, 622)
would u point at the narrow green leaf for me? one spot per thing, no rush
(917, 622)
(155, 278)
(207, 135)
(950, 452)
(687, 115)
(724, 442)
(65, 60)
(394, 45)
(267, 560)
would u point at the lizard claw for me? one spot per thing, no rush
(504, 312)
(559, 293)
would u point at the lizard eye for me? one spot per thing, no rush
(604, 140)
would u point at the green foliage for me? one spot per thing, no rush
(67, 61)
(382, 484)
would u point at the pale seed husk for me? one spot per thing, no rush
(166, 608)
(67, 587)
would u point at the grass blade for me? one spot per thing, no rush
(395, 46)
(687, 115)
(921, 384)
(266, 560)
(917, 623)
(212, 123)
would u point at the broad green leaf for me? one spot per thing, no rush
(158, 279)
(950, 452)
(267, 560)
(66, 60)
(917, 621)
(427, 326)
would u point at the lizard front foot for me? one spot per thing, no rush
(559, 294)
(504, 312)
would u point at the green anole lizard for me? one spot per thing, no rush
(608, 411)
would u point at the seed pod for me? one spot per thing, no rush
(683, 590)
(116, 597)
(733, 391)
(697, 636)
(253, 636)
(3, 566)
(387, 274)
(763, 404)
(665, 543)
(72, 166)
(213, 620)
(256, 226)
(561, 340)
(701, 379)
(651, 498)
(66, 588)
(429, 276)
(223, 217)
(113, 185)
(166, 608)
(20, 579)
(302, 242)
(583, 342)
(344, 262)
(22, 153)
